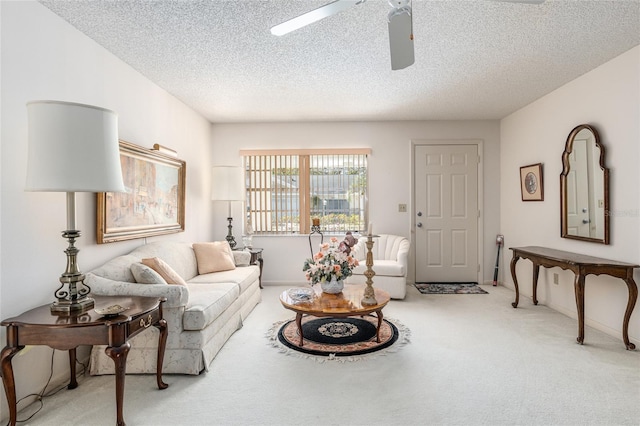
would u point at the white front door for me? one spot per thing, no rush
(446, 213)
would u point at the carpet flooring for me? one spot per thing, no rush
(449, 288)
(472, 361)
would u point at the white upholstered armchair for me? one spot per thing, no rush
(390, 263)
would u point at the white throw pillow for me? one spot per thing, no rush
(165, 271)
(216, 256)
(145, 275)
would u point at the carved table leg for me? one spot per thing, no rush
(261, 264)
(162, 342)
(9, 380)
(119, 357)
(379, 313)
(631, 303)
(515, 280)
(579, 288)
(536, 272)
(73, 382)
(299, 324)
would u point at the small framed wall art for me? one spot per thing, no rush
(531, 185)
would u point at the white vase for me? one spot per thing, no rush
(334, 286)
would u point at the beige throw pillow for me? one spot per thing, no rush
(145, 275)
(216, 256)
(165, 271)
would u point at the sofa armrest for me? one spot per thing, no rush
(241, 257)
(403, 253)
(177, 295)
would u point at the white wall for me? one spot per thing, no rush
(389, 177)
(43, 57)
(608, 98)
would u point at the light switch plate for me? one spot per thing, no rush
(402, 208)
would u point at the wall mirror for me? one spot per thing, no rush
(584, 187)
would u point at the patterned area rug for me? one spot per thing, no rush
(449, 288)
(341, 339)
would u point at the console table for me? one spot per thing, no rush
(66, 332)
(581, 266)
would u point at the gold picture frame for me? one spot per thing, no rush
(154, 201)
(531, 185)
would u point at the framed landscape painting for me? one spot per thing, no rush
(154, 199)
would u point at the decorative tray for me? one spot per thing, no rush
(110, 311)
(301, 294)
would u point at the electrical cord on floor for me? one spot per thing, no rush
(41, 395)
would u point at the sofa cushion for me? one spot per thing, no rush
(165, 271)
(243, 277)
(178, 255)
(146, 275)
(387, 268)
(206, 303)
(215, 256)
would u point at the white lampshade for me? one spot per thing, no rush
(72, 148)
(227, 183)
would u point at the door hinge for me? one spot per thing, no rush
(478, 214)
(478, 267)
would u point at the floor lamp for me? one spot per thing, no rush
(227, 184)
(72, 148)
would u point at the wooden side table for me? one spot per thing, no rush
(39, 327)
(581, 265)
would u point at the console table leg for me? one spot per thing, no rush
(579, 288)
(515, 280)
(631, 303)
(73, 382)
(162, 342)
(9, 380)
(119, 357)
(536, 272)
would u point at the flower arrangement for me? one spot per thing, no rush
(330, 261)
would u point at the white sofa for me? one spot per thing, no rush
(390, 263)
(200, 316)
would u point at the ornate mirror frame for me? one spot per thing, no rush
(568, 183)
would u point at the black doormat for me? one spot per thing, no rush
(345, 338)
(449, 288)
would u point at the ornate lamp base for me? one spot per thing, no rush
(75, 297)
(230, 239)
(62, 307)
(369, 295)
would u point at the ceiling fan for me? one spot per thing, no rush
(399, 20)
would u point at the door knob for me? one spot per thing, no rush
(419, 224)
(419, 214)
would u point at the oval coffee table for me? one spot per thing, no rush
(345, 304)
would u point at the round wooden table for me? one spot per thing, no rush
(348, 303)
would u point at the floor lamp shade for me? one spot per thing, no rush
(227, 183)
(72, 148)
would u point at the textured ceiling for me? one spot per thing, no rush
(475, 59)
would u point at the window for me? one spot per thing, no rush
(287, 188)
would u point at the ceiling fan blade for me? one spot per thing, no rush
(401, 40)
(315, 15)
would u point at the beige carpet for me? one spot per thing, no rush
(472, 360)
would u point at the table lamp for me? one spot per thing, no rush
(72, 148)
(228, 185)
